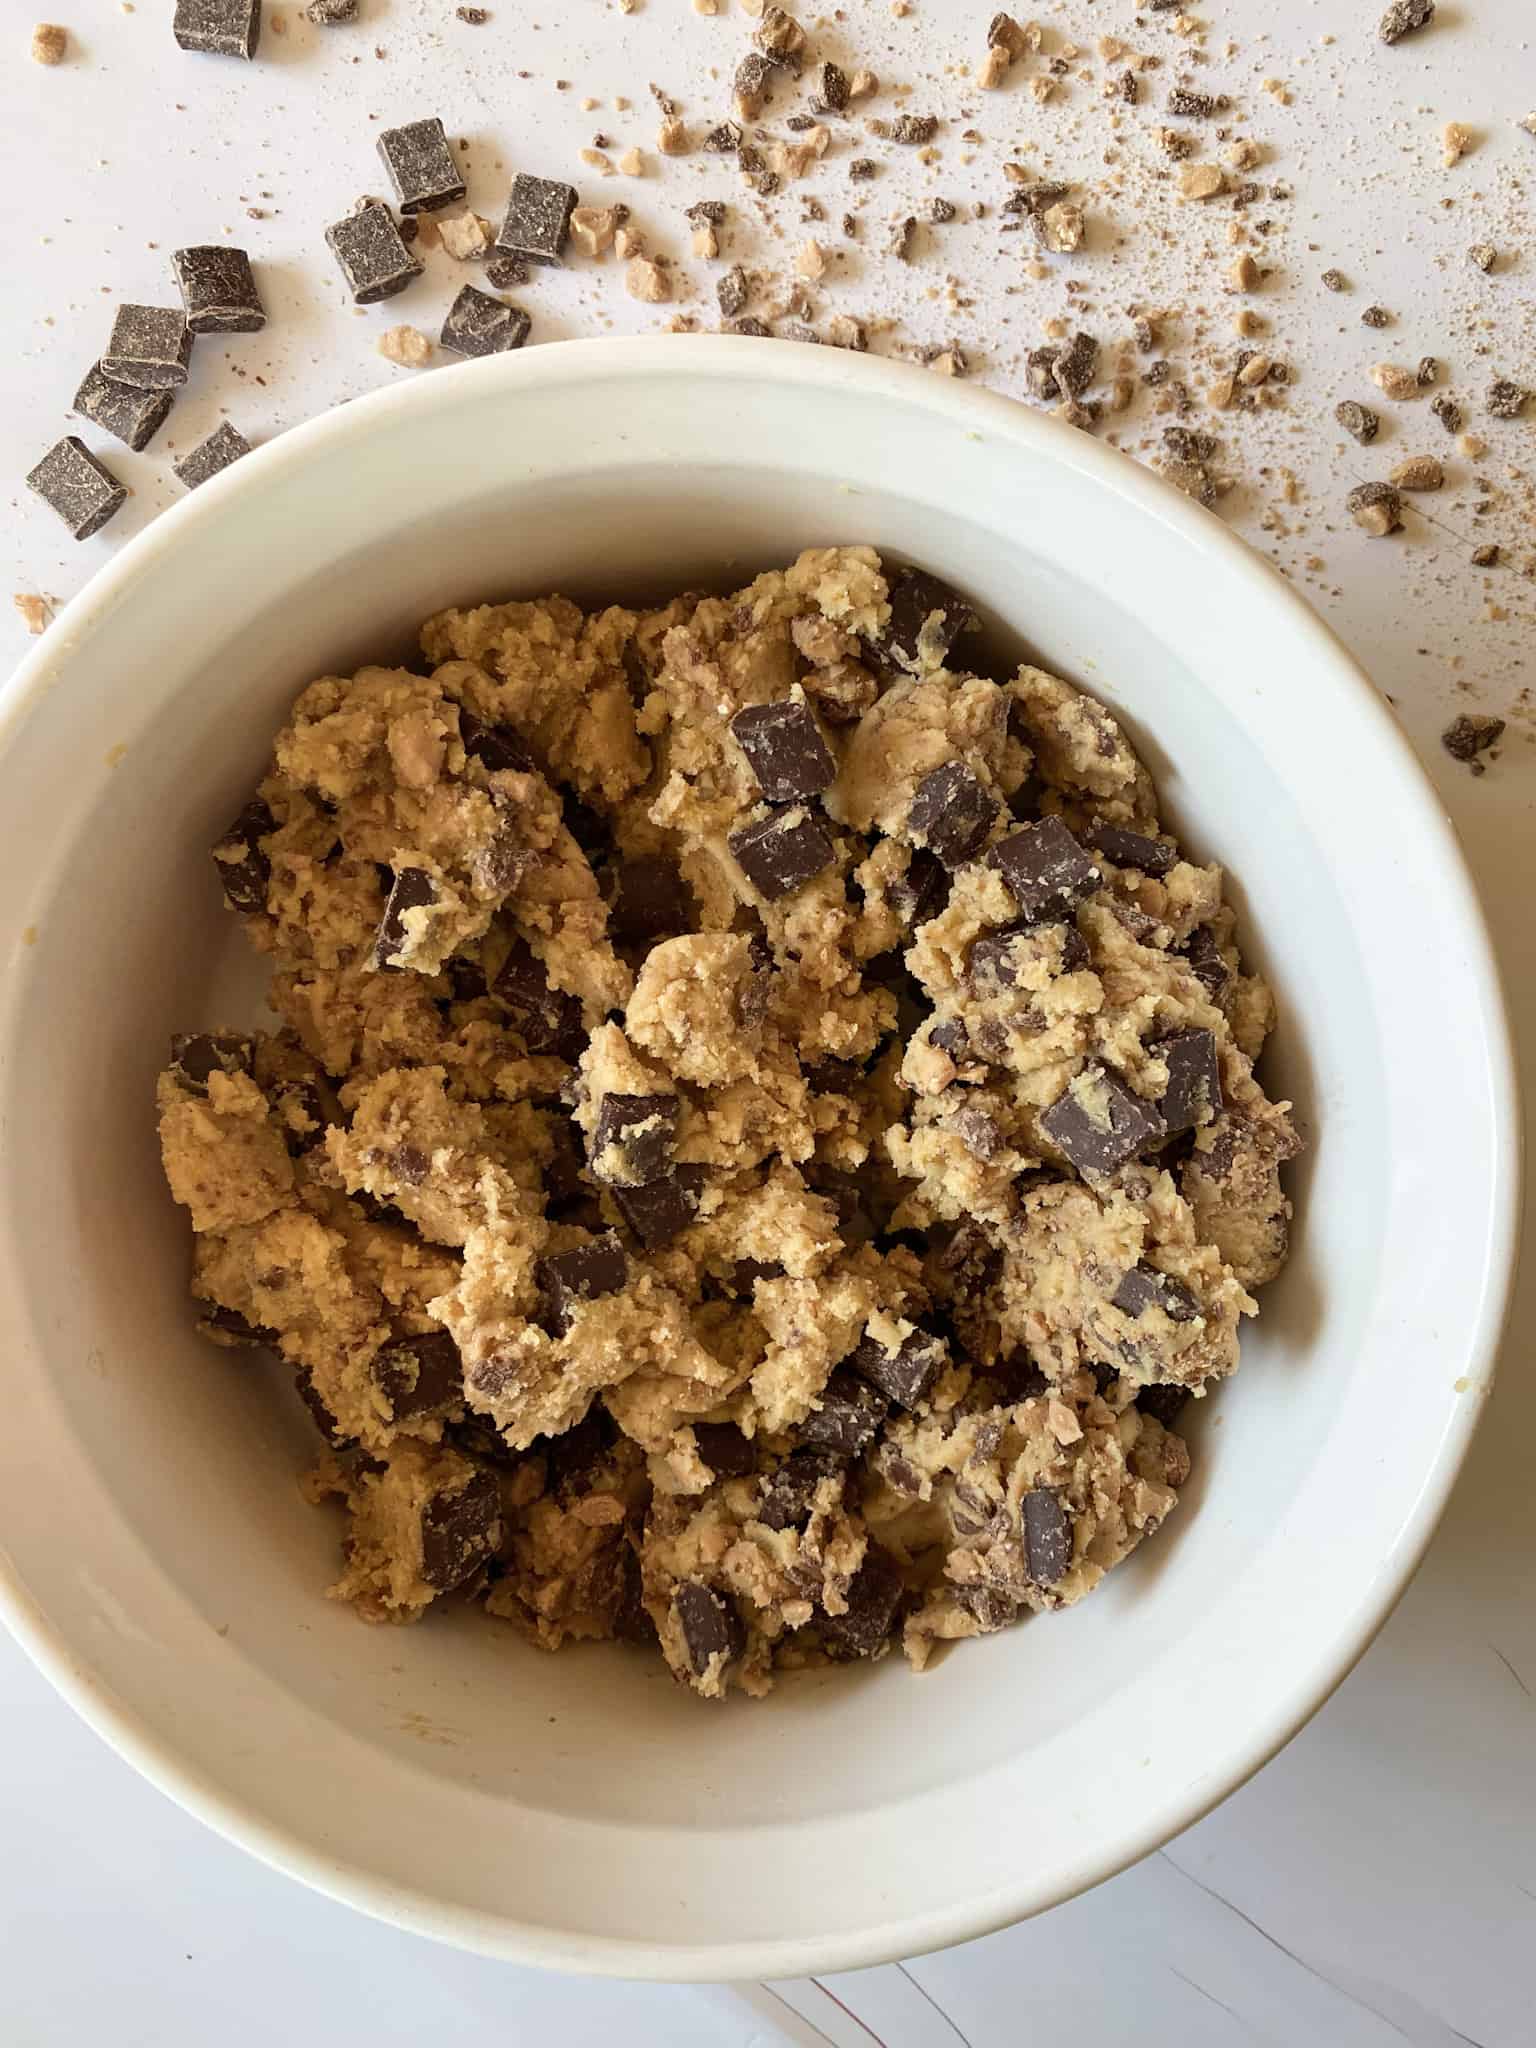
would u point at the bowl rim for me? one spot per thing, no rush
(972, 410)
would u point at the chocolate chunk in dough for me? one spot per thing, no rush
(874, 1595)
(548, 1020)
(1193, 1094)
(633, 1141)
(951, 813)
(786, 1502)
(905, 1374)
(785, 750)
(218, 28)
(1047, 1536)
(1018, 1377)
(1047, 871)
(1132, 849)
(782, 850)
(151, 346)
(951, 1036)
(419, 1375)
(244, 869)
(421, 166)
(651, 901)
(320, 1414)
(563, 1177)
(710, 1625)
(374, 261)
(632, 1623)
(927, 618)
(126, 411)
(410, 889)
(993, 964)
(1099, 1123)
(197, 1056)
(1205, 962)
(573, 1459)
(226, 444)
(981, 1134)
(460, 1531)
(923, 890)
(848, 1417)
(537, 220)
(228, 1327)
(80, 489)
(591, 1270)
(746, 1273)
(1165, 1404)
(498, 748)
(478, 325)
(218, 290)
(660, 1209)
(1145, 1287)
(723, 1448)
(477, 1438)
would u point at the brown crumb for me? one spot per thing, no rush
(1470, 734)
(1456, 141)
(407, 346)
(1485, 557)
(50, 44)
(1377, 508)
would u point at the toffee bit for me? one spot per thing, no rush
(1358, 421)
(1483, 256)
(1335, 281)
(1471, 734)
(1375, 316)
(1507, 400)
(914, 128)
(1195, 106)
(1377, 508)
(1447, 412)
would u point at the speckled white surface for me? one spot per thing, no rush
(1377, 1883)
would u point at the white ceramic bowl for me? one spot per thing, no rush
(580, 1810)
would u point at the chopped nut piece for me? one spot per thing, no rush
(1244, 155)
(1485, 557)
(995, 67)
(1457, 140)
(863, 85)
(705, 242)
(1255, 370)
(672, 137)
(1202, 181)
(628, 242)
(1358, 421)
(1377, 508)
(1396, 381)
(632, 163)
(407, 346)
(1418, 473)
(843, 331)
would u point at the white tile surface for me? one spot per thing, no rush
(1377, 1884)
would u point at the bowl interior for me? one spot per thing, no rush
(580, 1809)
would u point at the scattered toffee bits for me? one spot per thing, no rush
(126, 411)
(478, 325)
(374, 261)
(1358, 421)
(218, 290)
(218, 28)
(537, 220)
(226, 444)
(421, 166)
(79, 487)
(1404, 18)
(151, 346)
(1469, 735)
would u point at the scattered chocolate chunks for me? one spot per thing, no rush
(658, 1210)
(710, 1626)
(787, 1498)
(785, 750)
(151, 346)
(243, 865)
(1099, 1123)
(1205, 962)
(411, 889)
(419, 1376)
(723, 1448)
(1164, 1403)
(421, 166)
(1047, 1536)
(782, 849)
(585, 1274)
(478, 325)
(548, 1020)
(126, 411)
(374, 261)
(927, 618)
(1046, 870)
(218, 28)
(952, 813)
(498, 748)
(846, 1421)
(1144, 1287)
(1127, 849)
(197, 1056)
(537, 220)
(226, 444)
(905, 1374)
(874, 1596)
(80, 489)
(218, 290)
(652, 901)
(1193, 1094)
(460, 1529)
(632, 1143)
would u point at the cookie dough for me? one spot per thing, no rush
(759, 1138)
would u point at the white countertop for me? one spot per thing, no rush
(1377, 1883)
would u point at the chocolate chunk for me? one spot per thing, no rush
(548, 1020)
(226, 444)
(410, 889)
(460, 1531)
(1114, 1124)
(1193, 1094)
(994, 964)
(732, 292)
(849, 1415)
(951, 1036)
(787, 1498)
(506, 273)
(80, 489)
(1470, 734)
(746, 1273)
(1164, 1403)
(1403, 17)
(927, 618)
(1047, 1536)
(981, 1134)
(633, 1141)
(1018, 1377)
(228, 1327)
(905, 1374)
(478, 325)
(753, 328)
(784, 749)
(218, 290)
(1205, 962)
(538, 219)
(632, 1623)
(711, 1628)
(833, 1076)
(421, 166)
(1024, 804)
(480, 1439)
(659, 1210)
(324, 1420)
(126, 411)
(1358, 421)
(723, 1448)
(374, 261)
(829, 89)
(1132, 849)
(1104, 1376)
(498, 748)
(782, 849)
(1045, 868)
(243, 866)
(874, 1596)
(331, 13)
(1144, 1287)
(218, 28)
(419, 1375)
(591, 1270)
(197, 1056)
(151, 346)
(914, 128)
(922, 891)
(724, 140)
(862, 169)
(1194, 106)
(1077, 365)
(652, 901)
(573, 1460)
(951, 813)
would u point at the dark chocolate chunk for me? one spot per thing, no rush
(1164, 1403)
(632, 1623)
(1045, 868)
(723, 1448)
(782, 849)
(905, 1374)
(1100, 1138)
(498, 748)
(1132, 849)
(1194, 106)
(481, 1439)
(723, 140)
(846, 1421)
(657, 1211)
(574, 1459)
(562, 1173)
(218, 28)
(226, 444)
(787, 1498)
(126, 411)
(981, 1134)
(197, 1056)
(1205, 962)
(421, 166)
(591, 1270)
(1471, 733)
(833, 1076)
(829, 89)
(506, 273)
(1144, 1287)
(732, 291)
(410, 889)
(951, 814)
(746, 1273)
(914, 128)
(478, 325)
(548, 1020)
(79, 488)
(1193, 1094)
(419, 1375)
(228, 1327)
(632, 1143)
(862, 169)
(753, 328)
(784, 749)
(1018, 1377)
(538, 219)
(460, 1531)
(652, 901)
(151, 346)
(927, 617)
(706, 213)
(1358, 421)
(1047, 1536)
(1104, 1376)
(923, 890)
(1040, 373)
(1077, 365)
(992, 963)
(324, 1420)
(710, 1625)
(243, 867)
(874, 1596)
(330, 13)
(218, 290)
(374, 261)
(951, 1036)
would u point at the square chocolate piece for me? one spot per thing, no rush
(787, 1498)
(1193, 1094)
(419, 1375)
(410, 889)
(538, 219)
(548, 1020)
(374, 260)
(874, 1596)
(82, 491)
(951, 813)
(1047, 1536)
(218, 28)
(659, 1210)
(1047, 871)
(498, 748)
(151, 346)
(1127, 849)
(652, 900)
(126, 411)
(632, 1144)
(710, 1626)
(782, 849)
(850, 1413)
(460, 1529)
(244, 866)
(478, 325)
(226, 444)
(784, 749)
(421, 166)
(218, 290)
(723, 1448)
(1144, 1287)
(1205, 962)
(1099, 1123)
(196, 1056)
(905, 1374)
(585, 1274)
(927, 618)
